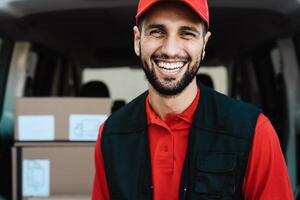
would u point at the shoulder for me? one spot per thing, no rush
(230, 102)
(267, 175)
(265, 139)
(235, 114)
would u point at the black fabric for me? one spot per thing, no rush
(219, 142)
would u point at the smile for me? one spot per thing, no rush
(170, 66)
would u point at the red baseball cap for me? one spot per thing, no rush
(199, 6)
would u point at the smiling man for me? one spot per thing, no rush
(180, 140)
(170, 42)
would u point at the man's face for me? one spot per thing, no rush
(171, 44)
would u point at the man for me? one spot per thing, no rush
(180, 140)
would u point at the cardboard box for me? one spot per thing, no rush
(52, 170)
(62, 197)
(60, 119)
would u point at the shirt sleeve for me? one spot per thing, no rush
(100, 188)
(266, 176)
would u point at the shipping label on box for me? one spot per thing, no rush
(36, 178)
(43, 170)
(60, 119)
(36, 127)
(85, 127)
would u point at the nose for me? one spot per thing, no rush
(171, 46)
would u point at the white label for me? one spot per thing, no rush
(36, 178)
(85, 127)
(36, 127)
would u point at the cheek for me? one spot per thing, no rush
(149, 46)
(194, 51)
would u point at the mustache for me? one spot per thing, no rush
(167, 57)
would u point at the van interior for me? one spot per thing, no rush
(64, 48)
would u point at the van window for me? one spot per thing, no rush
(43, 72)
(218, 76)
(126, 83)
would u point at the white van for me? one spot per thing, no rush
(56, 47)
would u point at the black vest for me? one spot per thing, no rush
(219, 142)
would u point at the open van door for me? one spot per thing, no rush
(6, 50)
(52, 42)
(292, 81)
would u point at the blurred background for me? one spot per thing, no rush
(65, 65)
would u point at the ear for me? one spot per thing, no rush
(137, 40)
(206, 38)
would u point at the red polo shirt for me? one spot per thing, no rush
(266, 176)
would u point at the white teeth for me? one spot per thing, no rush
(170, 70)
(170, 65)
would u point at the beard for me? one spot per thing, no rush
(169, 86)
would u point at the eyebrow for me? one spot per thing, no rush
(155, 26)
(182, 28)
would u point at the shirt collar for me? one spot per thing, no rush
(187, 115)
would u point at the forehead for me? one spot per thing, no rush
(174, 12)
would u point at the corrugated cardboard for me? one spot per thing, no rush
(63, 197)
(61, 109)
(71, 167)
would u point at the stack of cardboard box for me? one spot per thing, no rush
(53, 156)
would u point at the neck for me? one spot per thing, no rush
(163, 104)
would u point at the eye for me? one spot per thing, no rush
(157, 33)
(188, 35)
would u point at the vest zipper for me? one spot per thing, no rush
(151, 188)
(184, 193)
